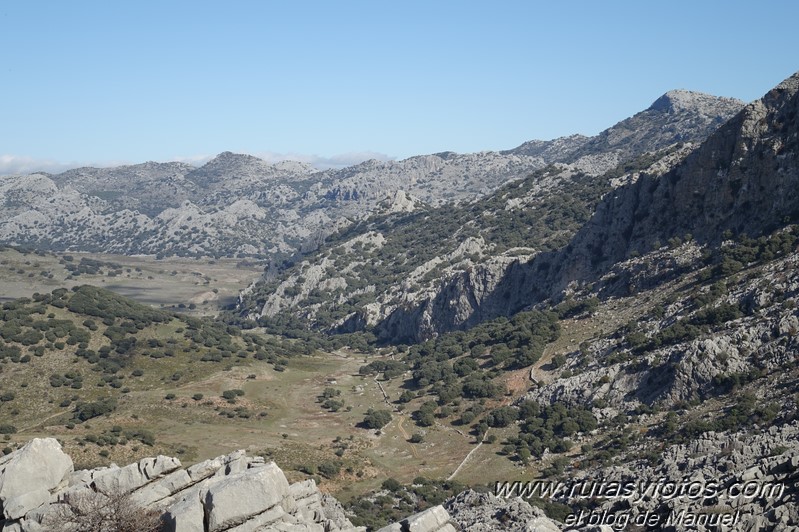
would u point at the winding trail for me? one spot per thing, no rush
(405, 435)
(40, 422)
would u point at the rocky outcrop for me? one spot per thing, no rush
(751, 478)
(478, 512)
(232, 492)
(398, 202)
(484, 512)
(677, 116)
(743, 179)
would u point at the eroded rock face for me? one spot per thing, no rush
(484, 512)
(235, 492)
(245, 496)
(767, 463)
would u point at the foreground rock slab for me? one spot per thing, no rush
(39, 490)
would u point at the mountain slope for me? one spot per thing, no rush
(742, 179)
(409, 277)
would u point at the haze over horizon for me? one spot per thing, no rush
(96, 84)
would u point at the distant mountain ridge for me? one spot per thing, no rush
(239, 205)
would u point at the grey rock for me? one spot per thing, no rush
(40, 467)
(435, 519)
(186, 515)
(431, 520)
(204, 469)
(485, 512)
(234, 492)
(244, 495)
(134, 476)
(163, 488)
(16, 507)
(12, 526)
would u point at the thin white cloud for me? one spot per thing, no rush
(194, 160)
(15, 164)
(321, 162)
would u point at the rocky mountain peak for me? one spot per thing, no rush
(791, 83)
(226, 165)
(227, 158)
(684, 100)
(782, 92)
(294, 196)
(742, 179)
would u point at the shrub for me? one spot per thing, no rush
(231, 395)
(502, 417)
(329, 469)
(377, 419)
(95, 511)
(391, 484)
(89, 410)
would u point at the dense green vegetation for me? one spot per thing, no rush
(465, 364)
(462, 371)
(543, 427)
(742, 251)
(90, 266)
(376, 419)
(743, 411)
(395, 501)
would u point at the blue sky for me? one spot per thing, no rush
(331, 82)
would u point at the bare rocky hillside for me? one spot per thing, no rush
(239, 205)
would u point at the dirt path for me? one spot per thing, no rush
(405, 435)
(40, 422)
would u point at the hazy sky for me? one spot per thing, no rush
(333, 82)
